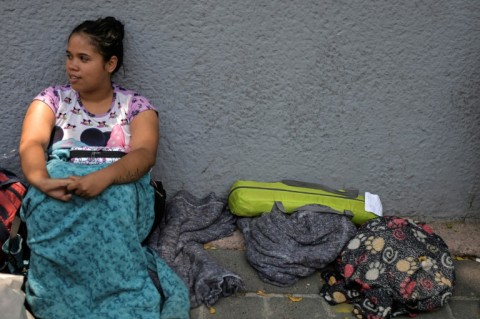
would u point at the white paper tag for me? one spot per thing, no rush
(373, 204)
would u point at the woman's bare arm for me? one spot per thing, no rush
(143, 144)
(36, 131)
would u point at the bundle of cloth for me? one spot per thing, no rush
(188, 224)
(393, 266)
(87, 260)
(286, 247)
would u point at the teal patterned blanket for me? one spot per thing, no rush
(86, 255)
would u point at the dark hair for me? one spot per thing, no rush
(106, 35)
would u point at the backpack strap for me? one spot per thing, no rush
(15, 227)
(10, 180)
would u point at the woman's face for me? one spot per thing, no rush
(85, 66)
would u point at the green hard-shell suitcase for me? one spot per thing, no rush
(252, 198)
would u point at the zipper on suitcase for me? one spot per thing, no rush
(291, 191)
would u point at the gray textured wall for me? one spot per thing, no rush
(379, 95)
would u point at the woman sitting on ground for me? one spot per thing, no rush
(86, 222)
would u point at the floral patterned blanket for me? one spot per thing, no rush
(87, 260)
(392, 266)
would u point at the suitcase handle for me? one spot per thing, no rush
(350, 193)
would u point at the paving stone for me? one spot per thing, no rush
(235, 261)
(234, 307)
(462, 237)
(344, 311)
(341, 311)
(467, 278)
(466, 309)
(198, 313)
(284, 308)
(234, 241)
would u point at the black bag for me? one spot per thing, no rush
(159, 206)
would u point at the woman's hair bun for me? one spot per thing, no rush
(113, 27)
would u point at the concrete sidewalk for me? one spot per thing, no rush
(302, 300)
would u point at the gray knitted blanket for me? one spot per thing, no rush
(286, 247)
(189, 223)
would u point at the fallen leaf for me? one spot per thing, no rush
(343, 308)
(261, 293)
(209, 246)
(459, 258)
(212, 311)
(294, 299)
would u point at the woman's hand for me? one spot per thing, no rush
(90, 185)
(56, 188)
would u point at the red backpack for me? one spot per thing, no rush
(12, 191)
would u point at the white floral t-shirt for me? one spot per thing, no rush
(75, 123)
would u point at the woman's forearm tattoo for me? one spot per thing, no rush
(128, 176)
